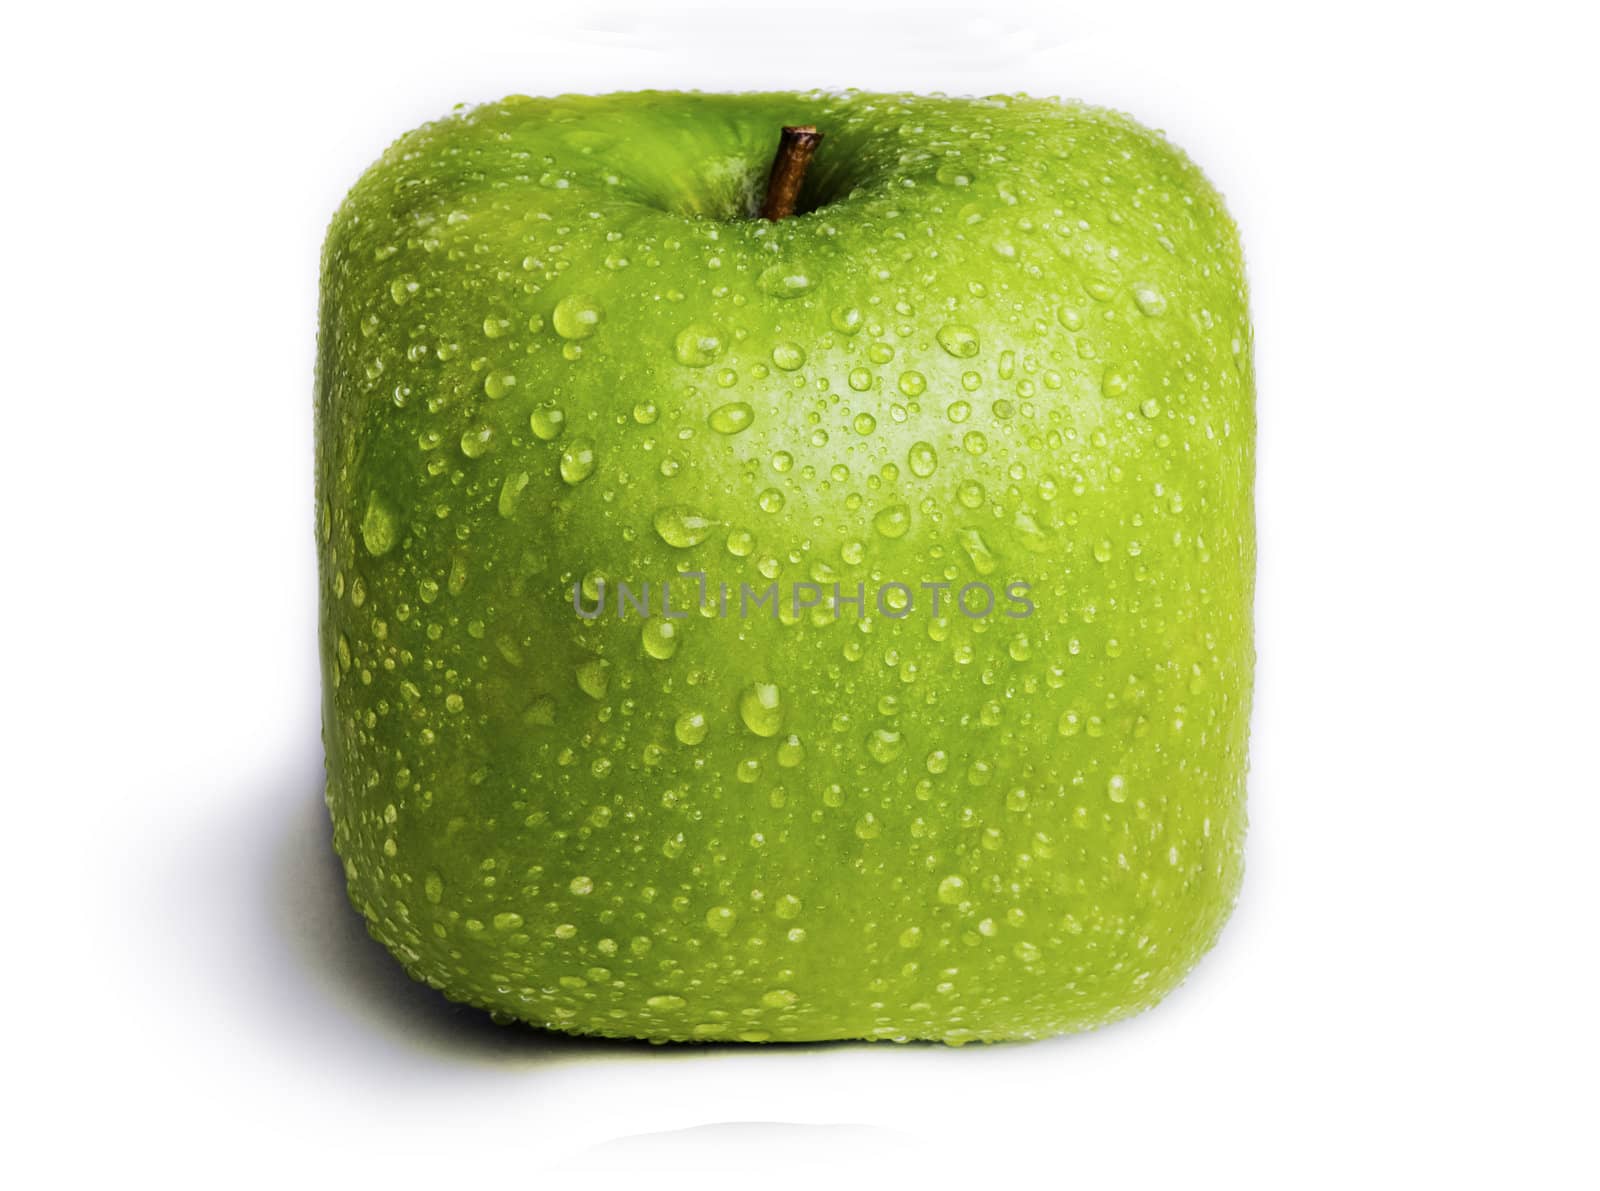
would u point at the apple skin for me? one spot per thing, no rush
(1010, 342)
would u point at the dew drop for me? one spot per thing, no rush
(783, 281)
(691, 728)
(791, 752)
(547, 422)
(594, 677)
(659, 637)
(922, 459)
(681, 527)
(511, 493)
(892, 521)
(845, 319)
(380, 528)
(1150, 300)
(576, 316)
(983, 559)
(732, 418)
(885, 745)
(577, 461)
(761, 708)
(476, 441)
(697, 345)
(788, 356)
(958, 339)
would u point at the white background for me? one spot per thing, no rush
(1406, 992)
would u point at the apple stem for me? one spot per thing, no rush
(789, 166)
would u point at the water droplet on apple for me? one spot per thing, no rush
(681, 527)
(498, 383)
(697, 345)
(577, 461)
(691, 728)
(1150, 300)
(476, 441)
(547, 422)
(788, 356)
(732, 418)
(960, 340)
(659, 637)
(721, 919)
(983, 559)
(783, 281)
(846, 320)
(576, 316)
(885, 745)
(951, 890)
(511, 492)
(594, 677)
(761, 708)
(380, 528)
(791, 752)
(892, 521)
(922, 459)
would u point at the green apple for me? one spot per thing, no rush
(834, 626)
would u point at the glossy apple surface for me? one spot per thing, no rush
(1005, 342)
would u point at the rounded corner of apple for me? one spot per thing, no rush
(786, 563)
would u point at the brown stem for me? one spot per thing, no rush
(789, 166)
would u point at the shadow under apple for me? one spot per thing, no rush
(357, 977)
